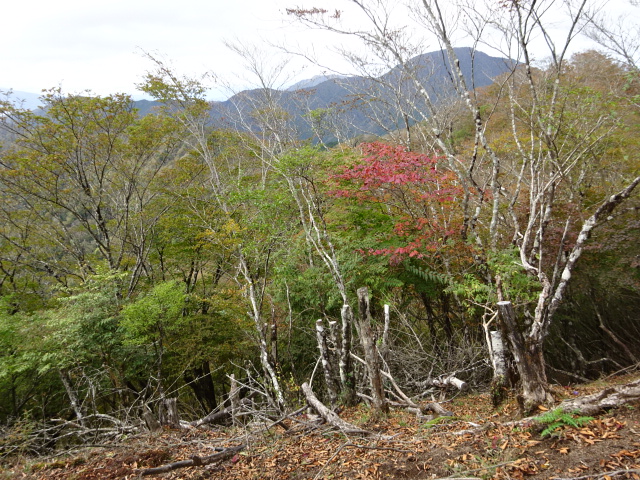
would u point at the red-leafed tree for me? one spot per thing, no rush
(420, 196)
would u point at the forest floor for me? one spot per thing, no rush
(476, 443)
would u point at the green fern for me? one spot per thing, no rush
(558, 418)
(430, 276)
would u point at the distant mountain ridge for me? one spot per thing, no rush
(359, 100)
(27, 100)
(312, 82)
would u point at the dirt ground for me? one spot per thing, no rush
(478, 442)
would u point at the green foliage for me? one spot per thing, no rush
(83, 329)
(80, 183)
(151, 317)
(474, 290)
(430, 276)
(517, 285)
(558, 419)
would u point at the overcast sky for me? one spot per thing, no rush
(98, 45)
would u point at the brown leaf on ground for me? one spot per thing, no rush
(475, 443)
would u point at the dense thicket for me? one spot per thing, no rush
(143, 258)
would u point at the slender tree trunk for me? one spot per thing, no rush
(267, 366)
(274, 336)
(234, 398)
(73, 398)
(499, 362)
(345, 364)
(371, 354)
(384, 345)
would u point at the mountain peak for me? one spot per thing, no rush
(311, 82)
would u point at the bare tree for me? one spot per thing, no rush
(619, 36)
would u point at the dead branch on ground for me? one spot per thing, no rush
(330, 416)
(194, 461)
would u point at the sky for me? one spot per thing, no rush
(99, 45)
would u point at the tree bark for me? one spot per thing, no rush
(234, 398)
(329, 376)
(371, 354)
(529, 359)
(169, 413)
(384, 345)
(193, 461)
(608, 398)
(451, 381)
(151, 421)
(499, 362)
(344, 363)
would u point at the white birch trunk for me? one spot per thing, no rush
(326, 362)
(498, 354)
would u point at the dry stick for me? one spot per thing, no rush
(431, 406)
(194, 461)
(222, 455)
(328, 415)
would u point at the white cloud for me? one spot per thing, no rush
(96, 45)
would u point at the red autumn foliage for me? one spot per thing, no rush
(418, 193)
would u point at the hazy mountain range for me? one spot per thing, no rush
(371, 105)
(28, 100)
(362, 104)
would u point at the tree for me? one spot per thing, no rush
(549, 151)
(152, 319)
(229, 189)
(88, 170)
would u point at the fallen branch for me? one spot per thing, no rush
(610, 397)
(194, 461)
(413, 408)
(594, 404)
(408, 403)
(214, 417)
(330, 416)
